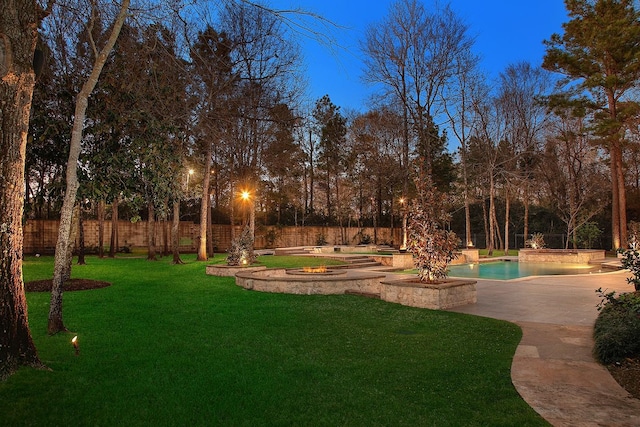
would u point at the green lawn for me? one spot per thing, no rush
(169, 345)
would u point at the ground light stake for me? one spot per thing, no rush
(76, 346)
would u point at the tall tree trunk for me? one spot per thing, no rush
(151, 233)
(175, 233)
(204, 204)
(485, 223)
(615, 202)
(467, 218)
(101, 207)
(496, 229)
(506, 225)
(18, 35)
(113, 248)
(82, 100)
(492, 214)
(81, 260)
(55, 307)
(210, 247)
(66, 274)
(165, 228)
(525, 231)
(232, 211)
(311, 173)
(252, 219)
(622, 198)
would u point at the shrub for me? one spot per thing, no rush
(588, 233)
(617, 328)
(362, 238)
(241, 251)
(321, 240)
(536, 241)
(631, 261)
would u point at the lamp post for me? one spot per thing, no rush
(403, 246)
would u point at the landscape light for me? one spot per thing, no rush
(76, 346)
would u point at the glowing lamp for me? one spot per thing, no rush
(76, 346)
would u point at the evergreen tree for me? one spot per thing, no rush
(599, 54)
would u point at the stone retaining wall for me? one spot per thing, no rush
(441, 296)
(410, 292)
(562, 256)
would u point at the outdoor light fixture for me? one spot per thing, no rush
(76, 346)
(190, 172)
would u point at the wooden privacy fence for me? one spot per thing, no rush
(40, 236)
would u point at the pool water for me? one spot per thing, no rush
(506, 270)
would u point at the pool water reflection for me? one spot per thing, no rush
(506, 270)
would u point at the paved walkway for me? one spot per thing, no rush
(553, 368)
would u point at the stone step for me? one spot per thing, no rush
(292, 251)
(355, 259)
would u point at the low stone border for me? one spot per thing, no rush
(278, 281)
(230, 270)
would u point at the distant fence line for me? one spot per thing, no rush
(40, 236)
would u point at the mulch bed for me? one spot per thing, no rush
(70, 285)
(627, 374)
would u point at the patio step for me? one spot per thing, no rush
(293, 251)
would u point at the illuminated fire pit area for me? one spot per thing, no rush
(331, 282)
(321, 271)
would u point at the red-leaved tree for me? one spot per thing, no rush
(432, 245)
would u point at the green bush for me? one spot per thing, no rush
(617, 328)
(631, 261)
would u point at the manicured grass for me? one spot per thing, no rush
(169, 345)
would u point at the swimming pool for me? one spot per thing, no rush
(507, 270)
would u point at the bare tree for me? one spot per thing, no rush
(266, 62)
(458, 107)
(375, 155)
(412, 53)
(100, 54)
(520, 91)
(485, 154)
(575, 180)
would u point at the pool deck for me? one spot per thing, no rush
(553, 368)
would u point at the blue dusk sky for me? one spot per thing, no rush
(505, 32)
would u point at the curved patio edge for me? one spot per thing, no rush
(554, 371)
